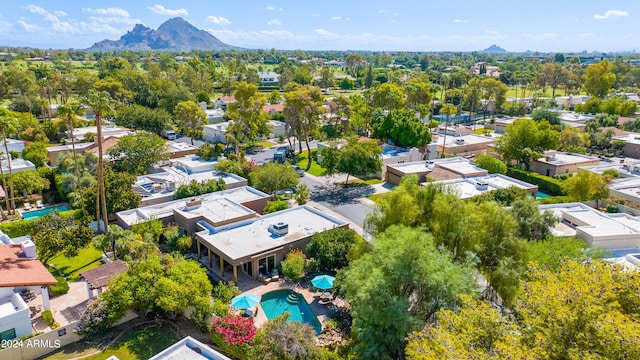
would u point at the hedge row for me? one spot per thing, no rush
(27, 227)
(547, 184)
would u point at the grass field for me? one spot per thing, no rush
(87, 258)
(511, 92)
(139, 343)
(376, 197)
(316, 169)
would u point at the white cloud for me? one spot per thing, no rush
(26, 27)
(270, 8)
(326, 34)
(611, 14)
(336, 18)
(60, 13)
(159, 9)
(108, 11)
(460, 20)
(219, 20)
(315, 14)
(394, 21)
(382, 11)
(274, 22)
(492, 32)
(36, 9)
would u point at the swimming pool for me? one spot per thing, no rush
(276, 303)
(34, 214)
(542, 195)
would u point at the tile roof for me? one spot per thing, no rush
(20, 271)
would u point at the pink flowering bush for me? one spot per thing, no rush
(233, 329)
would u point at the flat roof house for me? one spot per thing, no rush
(605, 231)
(22, 273)
(464, 145)
(555, 163)
(628, 189)
(437, 170)
(631, 144)
(469, 187)
(80, 134)
(224, 206)
(257, 245)
(269, 78)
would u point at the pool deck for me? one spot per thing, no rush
(323, 309)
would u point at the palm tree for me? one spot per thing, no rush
(100, 102)
(448, 110)
(70, 110)
(7, 123)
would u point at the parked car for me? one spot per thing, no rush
(282, 153)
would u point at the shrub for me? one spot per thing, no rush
(613, 208)
(95, 319)
(47, 316)
(545, 183)
(61, 288)
(18, 228)
(555, 200)
(233, 333)
(275, 205)
(184, 243)
(293, 265)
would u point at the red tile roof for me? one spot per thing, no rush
(273, 108)
(227, 99)
(20, 271)
(107, 144)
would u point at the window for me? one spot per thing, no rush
(8, 334)
(267, 264)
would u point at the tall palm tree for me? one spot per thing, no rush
(100, 102)
(6, 195)
(7, 123)
(69, 111)
(448, 110)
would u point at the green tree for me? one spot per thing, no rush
(29, 182)
(553, 117)
(585, 185)
(302, 194)
(574, 140)
(387, 96)
(447, 110)
(491, 164)
(248, 120)
(136, 153)
(598, 79)
(100, 103)
(302, 109)
(120, 189)
(69, 111)
(273, 177)
(167, 285)
(139, 117)
(280, 338)
(494, 92)
(330, 158)
(402, 127)
(195, 188)
(397, 287)
(293, 265)
(56, 235)
(190, 118)
(360, 158)
(36, 152)
(208, 152)
(326, 80)
(274, 206)
(330, 248)
(532, 225)
(525, 140)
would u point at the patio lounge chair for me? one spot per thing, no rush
(39, 204)
(326, 296)
(250, 312)
(27, 206)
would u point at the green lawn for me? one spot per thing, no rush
(316, 169)
(87, 258)
(376, 197)
(482, 131)
(369, 181)
(140, 343)
(511, 92)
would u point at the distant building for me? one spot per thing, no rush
(464, 145)
(217, 132)
(80, 134)
(631, 144)
(434, 170)
(17, 165)
(556, 163)
(269, 78)
(469, 187)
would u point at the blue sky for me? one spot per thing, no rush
(415, 25)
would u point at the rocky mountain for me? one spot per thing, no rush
(494, 49)
(175, 34)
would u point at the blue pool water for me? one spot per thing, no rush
(542, 195)
(275, 303)
(34, 214)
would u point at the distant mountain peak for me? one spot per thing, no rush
(494, 49)
(174, 34)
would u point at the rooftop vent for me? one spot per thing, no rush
(481, 185)
(171, 185)
(194, 202)
(459, 141)
(28, 249)
(157, 187)
(279, 229)
(550, 157)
